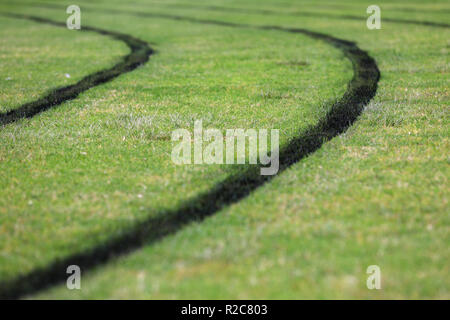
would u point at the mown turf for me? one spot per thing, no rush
(111, 152)
(47, 64)
(376, 195)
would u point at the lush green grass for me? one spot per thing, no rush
(102, 162)
(89, 169)
(32, 64)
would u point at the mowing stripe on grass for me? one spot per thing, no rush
(268, 12)
(303, 14)
(342, 113)
(140, 53)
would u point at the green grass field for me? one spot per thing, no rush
(91, 179)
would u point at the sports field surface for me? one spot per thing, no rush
(87, 179)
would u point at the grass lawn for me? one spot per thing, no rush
(93, 168)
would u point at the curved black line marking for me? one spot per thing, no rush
(361, 89)
(304, 14)
(140, 54)
(260, 11)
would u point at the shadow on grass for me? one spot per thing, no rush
(342, 114)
